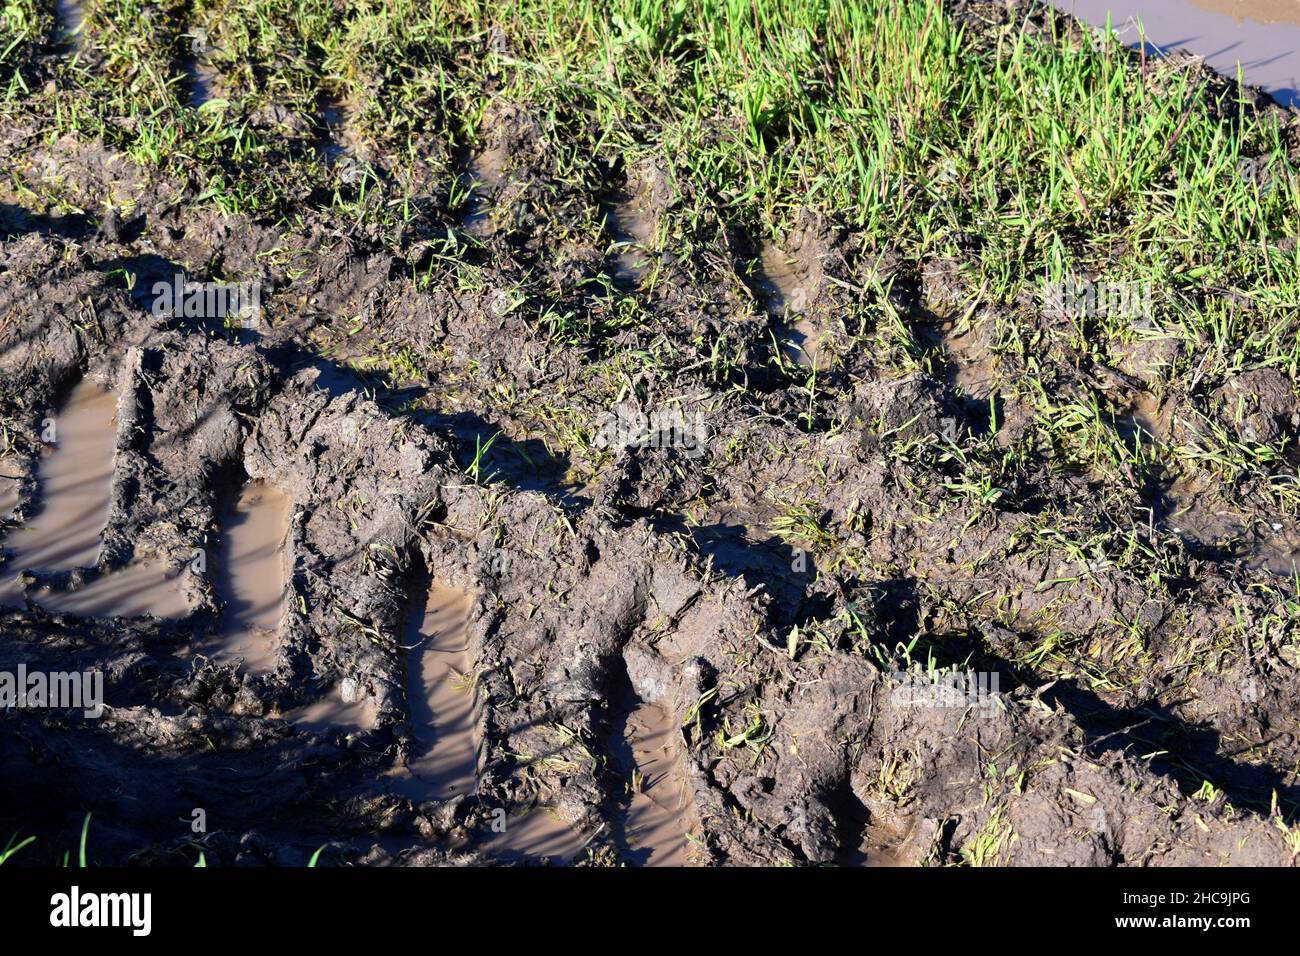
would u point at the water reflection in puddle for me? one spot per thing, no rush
(250, 578)
(75, 482)
(643, 752)
(780, 288)
(632, 226)
(444, 707)
(483, 177)
(1262, 35)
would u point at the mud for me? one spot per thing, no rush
(782, 284)
(333, 713)
(75, 482)
(442, 697)
(1211, 527)
(483, 178)
(10, 475)
(632, 226)
(644, 753)
(251, 574)
(724, 622)
(446, 713)
(535, 835)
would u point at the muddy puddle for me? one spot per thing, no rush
(632, 227)
(964, 359)
(332, 713)
(335, 143)
(10, 475)
(1262, 35)
(866, 842)
(75, 482)
(869, 852)
(445, 708)
(652, 831)
(250, 576)
(1221, 534)
(533, 834)
(483, 176)
(133, 591)
(779, 284)
(443, 702)
(200, 76)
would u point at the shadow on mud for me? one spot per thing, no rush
(1188, 754)
(16, 222)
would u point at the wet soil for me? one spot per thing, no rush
(446, 713)
(483, 177)
(10, 475)
(75, 483)
(781, 281)
(442, 697)
(674, 653)
(632, 226)
(250, 570)
(1260, 35)
(644, 755)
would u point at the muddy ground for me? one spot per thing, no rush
(761, 582)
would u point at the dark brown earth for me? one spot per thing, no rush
(1132, 671)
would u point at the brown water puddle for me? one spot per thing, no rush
(633, 227)
(443, 699)
(534, 834)
(484, 176)
(867, 843)
(869, 853)
(1272, 546)
(779, 283)
(10, 475)
(968, 362)
(331, 713)
(132, 591)
(643, 752)
(75, 480)
(1262, 35)
(250, 578)
(1147, 420)
(444, 707)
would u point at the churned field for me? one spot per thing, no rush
(691, 433)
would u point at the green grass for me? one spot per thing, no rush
(12, 846)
